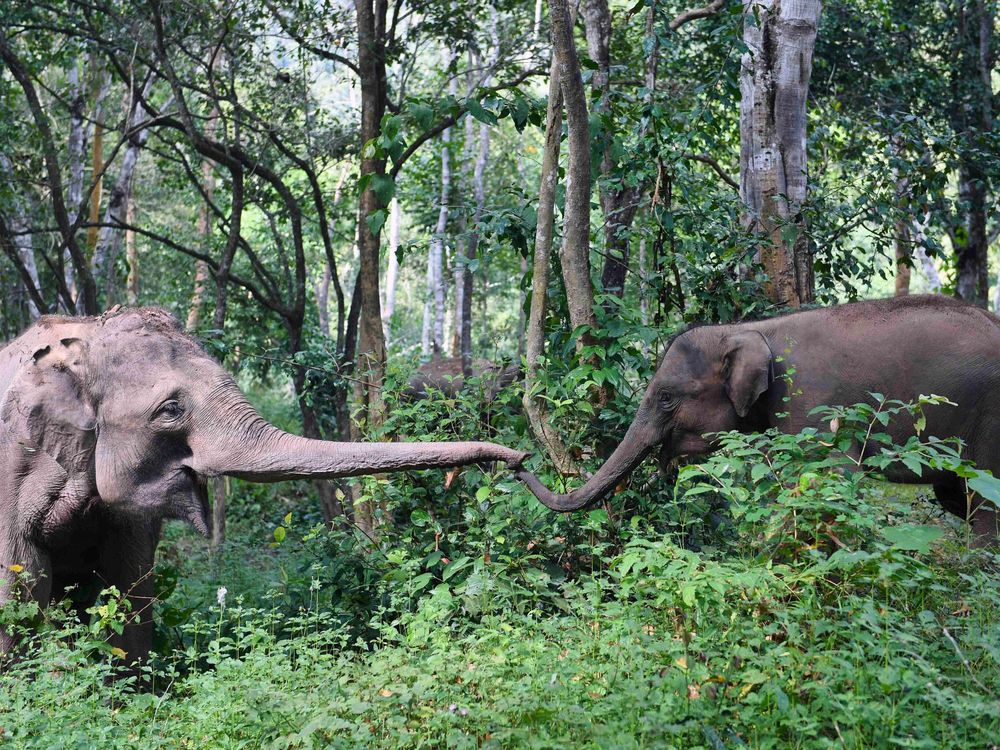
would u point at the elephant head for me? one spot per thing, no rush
(135, 414)
(709, 380)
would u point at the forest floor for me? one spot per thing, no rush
(662, 648)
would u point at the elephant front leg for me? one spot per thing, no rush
(25, 574)
(980, 515)
(125, 561)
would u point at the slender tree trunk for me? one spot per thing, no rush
(919, 235)
(902, 241)
(774, 85)
(75, 149)
(370, 369)
(323, 300)
(534, 406)
(131, 256)
(201, 273)
(392, 272)
(575, 251)
(434, 311)
(109, 240)
(97, 161)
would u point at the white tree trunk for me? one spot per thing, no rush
(774, 86)
(434, 310)
(75, 149)
(132, 256)
(392, 272)
(109, 240)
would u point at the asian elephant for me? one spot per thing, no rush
(110, 425)
(445, 375)
(735, 377)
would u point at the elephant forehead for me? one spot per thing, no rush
(690, 356)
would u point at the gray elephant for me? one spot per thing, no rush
(445, 375)
(736, 377)
(109, 425)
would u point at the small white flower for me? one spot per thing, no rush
(315, 585)
(220, 596)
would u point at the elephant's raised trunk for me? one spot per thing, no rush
(635, 446)
(242, 444)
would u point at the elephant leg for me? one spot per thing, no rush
(981, 516)
(125, 561)
(25, 573)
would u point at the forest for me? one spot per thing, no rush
(614, 318)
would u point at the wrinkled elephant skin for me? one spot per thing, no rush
(110, 425)
(736, 377)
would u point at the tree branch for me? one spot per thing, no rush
(716, 167)
(694, 14)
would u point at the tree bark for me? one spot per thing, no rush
(392, 271)
(575, 251)
(774, 85)
(201, 273)
(108, 244)
(370, 368)
(534, 406)
(131, 256)
(434, 308)
(97, 161)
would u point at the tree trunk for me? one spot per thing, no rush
(575, 252)
(109, 240)
(534, 406)
(131, 256)
(902, 241)
(75, 148)
(201, 274)
(774, 85)
(323, 300)
(370, 369)
(434, 310)
(97, 161)
(392, 272)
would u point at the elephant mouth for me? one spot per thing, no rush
(193, 506)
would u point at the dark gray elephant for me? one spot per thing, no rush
(445, 375)
(109, 425)
(732, 377)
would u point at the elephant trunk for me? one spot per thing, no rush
(635, 446)
(242, 444)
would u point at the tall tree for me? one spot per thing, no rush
(575, 251)
(774, 86)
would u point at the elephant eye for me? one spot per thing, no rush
(668, 399)
(169, 410)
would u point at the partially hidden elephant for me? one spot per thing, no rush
(445, 375)
(736, 377)
(110, 425)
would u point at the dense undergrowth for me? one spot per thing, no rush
(775, 595)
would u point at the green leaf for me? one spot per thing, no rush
(279, 534)
(986, 486)
(913, 538)
(476, 110)
(376, 220)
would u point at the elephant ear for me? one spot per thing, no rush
(46, 405)
(746, 368)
